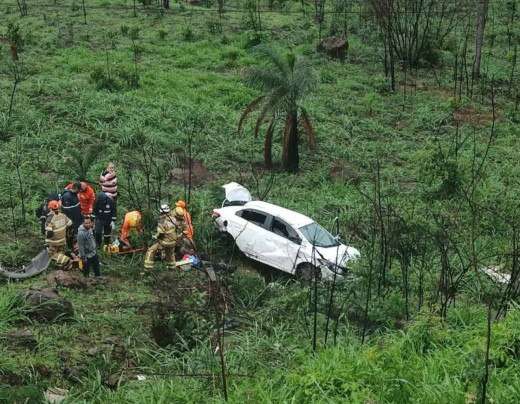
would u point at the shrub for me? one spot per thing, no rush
(162, 33)
(102, 80)
(187, 33)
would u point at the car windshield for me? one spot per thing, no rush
(318, 236)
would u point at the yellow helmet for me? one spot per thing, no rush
(179, 212)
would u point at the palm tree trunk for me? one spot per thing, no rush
(290, 156)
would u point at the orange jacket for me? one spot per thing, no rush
(86, 198)
(187, 219)
(131, 222)
(189, 226)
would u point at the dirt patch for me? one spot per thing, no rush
(470, 116)
(344, 171)
(10, 378)
(199, 173)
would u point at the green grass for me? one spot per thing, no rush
(195, 87)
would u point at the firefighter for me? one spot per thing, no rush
(55, 235)
(132, 222)
(104, 216)
(86, 197)
(166, 239)
(187, 219)
(43, 210)
(71, 207)
(185, 244)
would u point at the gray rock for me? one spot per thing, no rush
(46, 305)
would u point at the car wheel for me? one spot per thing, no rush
(306, 272)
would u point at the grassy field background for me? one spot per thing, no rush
(191, 87)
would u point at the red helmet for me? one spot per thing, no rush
(54, 205)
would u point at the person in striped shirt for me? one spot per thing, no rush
(108, 181)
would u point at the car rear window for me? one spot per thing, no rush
(253, 217)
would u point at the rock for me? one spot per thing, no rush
(22, 338)
(46, 305)
(69, 280)
(43, 370)
(93, 351)
(73, 374)
(199, 173)
(335, 47)
(55, 395)
(113, 380)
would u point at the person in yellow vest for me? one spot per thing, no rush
(56, 227)
(132, 222)
(166, 239)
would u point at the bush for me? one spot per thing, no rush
(102, 80)
(124, 30)
(187, 33)
(162, 33)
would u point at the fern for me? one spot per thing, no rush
(82, 160)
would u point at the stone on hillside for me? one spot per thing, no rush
(47, 305)
(335, 47)
(69, 280)
(22, 338)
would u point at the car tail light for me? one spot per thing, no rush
(215, 214)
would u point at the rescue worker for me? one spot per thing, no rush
(108, 181)
(55, 235)
(43, 210)
(184, 245)
(187, 219)
(86, 196)
(70, 206)
(104, 216)
(132, 222)
(166, 239)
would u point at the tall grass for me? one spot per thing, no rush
(10, 309)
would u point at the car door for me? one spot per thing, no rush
(285, 245)
(251, 233)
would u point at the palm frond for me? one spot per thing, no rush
(308, 128)
(250, 108)
(82, 160)
(261, 118)
(275, 58)
(265, 79)
(304, 79)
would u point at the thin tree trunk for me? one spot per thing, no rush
(485, 377)
(11, 102)
(84, 12)
(482, 11)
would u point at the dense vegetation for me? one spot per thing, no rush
(416, 155)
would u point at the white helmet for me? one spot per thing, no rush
(165, 208)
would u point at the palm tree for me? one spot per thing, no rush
(285, 82)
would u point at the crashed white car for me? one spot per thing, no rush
(281, 238)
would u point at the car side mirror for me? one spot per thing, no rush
(338, 237)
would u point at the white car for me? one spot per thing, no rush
(281, 238)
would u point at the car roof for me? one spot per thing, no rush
(291, 217)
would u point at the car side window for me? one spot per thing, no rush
(284, 230)
(253, 217)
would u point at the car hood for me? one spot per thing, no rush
(340, 254)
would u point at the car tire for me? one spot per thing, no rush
(306, 272)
